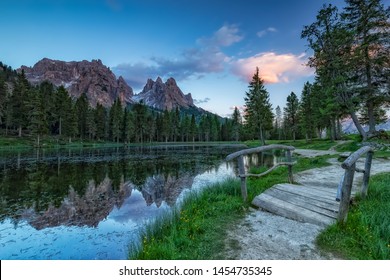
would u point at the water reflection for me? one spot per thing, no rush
(88, 204)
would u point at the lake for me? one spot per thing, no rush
(91, 203)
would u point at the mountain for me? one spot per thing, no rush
(93, 78)
(160, 95)
(100, 85)
(349, 127)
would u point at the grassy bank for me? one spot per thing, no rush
(198, 229)
(366, 234)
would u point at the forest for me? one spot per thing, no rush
(350, 55)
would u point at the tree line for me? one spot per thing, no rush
(46, 110)
(351, 58)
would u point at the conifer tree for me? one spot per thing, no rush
(291, 114)
(259, 114)
(236, 124)
(37, 124)
(18, 100)
(368, 21)
(306, 112)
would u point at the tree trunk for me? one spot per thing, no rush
(371, 118)
(20, 131)
(358, 125)
(60, 128)
(261, 137)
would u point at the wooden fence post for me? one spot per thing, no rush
(366, 177)
(346, 193)
(241, 171)
(290, 173)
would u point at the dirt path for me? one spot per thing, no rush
(262, 235)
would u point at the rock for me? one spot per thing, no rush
(90, 77)
(163, 96)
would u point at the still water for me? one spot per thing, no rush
(91, 203)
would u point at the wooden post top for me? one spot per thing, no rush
(258, 150)
(355, 156)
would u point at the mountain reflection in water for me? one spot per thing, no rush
(89, 204)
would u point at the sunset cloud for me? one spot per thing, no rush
(273, 68)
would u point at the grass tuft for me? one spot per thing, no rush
(366, 234)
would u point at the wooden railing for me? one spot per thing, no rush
(350, 167)
(241, 167)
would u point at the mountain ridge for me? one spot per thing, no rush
(101, 85)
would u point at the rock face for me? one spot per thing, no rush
(100, 84)
(93, 78)
(163, 96)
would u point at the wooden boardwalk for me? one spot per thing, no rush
(310, 204)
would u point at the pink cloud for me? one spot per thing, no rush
(273, 68)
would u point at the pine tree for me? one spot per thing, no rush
(140, 114)
(368, 20)
(236, 124)
(18, 100)
(278, 122)
(259, 114)
(3, 96)
(100, 120)
(166, 125)
(306, 112)
(38, 124)
(81, 110)
(193, 128)
(91, 123)
(116, 120)
(291, 113)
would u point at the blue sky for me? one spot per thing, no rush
(210, 47)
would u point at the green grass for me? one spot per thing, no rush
(194, 231)
(198, 229)
(366, 234)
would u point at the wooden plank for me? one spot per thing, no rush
(322, 190)
(326, 204)
(319, 207)
(288, 210)
(307, 192)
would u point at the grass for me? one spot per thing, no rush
(197, 230)
(193, 231)
(366, 234)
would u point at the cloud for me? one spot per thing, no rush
(264, 32)
(201, 101)
(223, 37)
(136, 74)
(273, 68)
(206, 57)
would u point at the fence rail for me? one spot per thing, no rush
(350, 167)
(241, 166)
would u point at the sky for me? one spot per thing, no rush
(210, 47)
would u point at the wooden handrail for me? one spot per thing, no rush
(350, 167)
(259, 150)
(355, 156)
(241, 166)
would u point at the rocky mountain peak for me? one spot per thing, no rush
(163, 96)
(93, 78)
